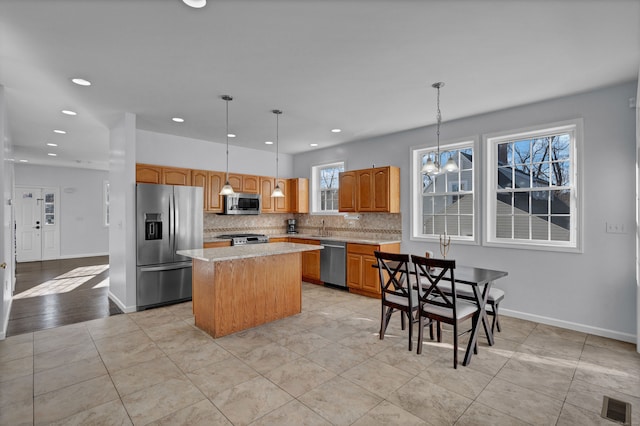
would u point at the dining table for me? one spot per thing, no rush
(480, 280)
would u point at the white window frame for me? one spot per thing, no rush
(490, 143)
(315, 187)
(416, 154)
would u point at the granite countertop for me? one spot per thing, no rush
(242, 252)
(316, 237)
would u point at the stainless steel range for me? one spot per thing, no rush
(242, 239)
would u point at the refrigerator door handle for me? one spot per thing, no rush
(172, 236)
(171, 267)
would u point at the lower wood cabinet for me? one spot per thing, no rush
(361, 277)
(278, 239)
(310, 261)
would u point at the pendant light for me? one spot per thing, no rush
(227, 189)
(432, 166)
(277, 192)
(197, 4)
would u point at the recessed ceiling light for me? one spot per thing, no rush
(268, 143)
(52, 144)
(336, 130)
(24, 161)
(81, 82)
(69, 112)
(231, 135)
(51, 154)
(60, 132)
(195, 3)
(178, 119)
(313, 144)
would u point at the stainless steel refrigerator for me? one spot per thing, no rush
(169, 218)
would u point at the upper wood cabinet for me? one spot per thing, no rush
(370, 190)
(148, 173)
(244, 183)
(212, 183)
(347, 191)
(299, 195)
(267, 204)
(283, 204)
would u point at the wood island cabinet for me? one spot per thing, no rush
(361, 277)
(214, 244)
(310, 261)
(279, 239)
(370, 190)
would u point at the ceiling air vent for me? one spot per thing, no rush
(616, 410)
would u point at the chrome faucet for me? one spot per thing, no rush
(323, 232)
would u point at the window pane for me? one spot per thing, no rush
(453, 182)
(504, 203)
(560, 228)
(465, 204)
(522, 177)
(440, 204)
(560, 173)
(466, 159)
(48, 219)
(427, 184)
(452, 204)
(504, 226)
(540, 150)
(48, 198)
(466, 226)
(521, 227)
(540, 202)
(521, 202)
(540, 227)
(522, 152)
(427, 225)
(48, 208)
(540, 174)
(505, 154)
(439, 224)
(452, 225)
(561, 147)
(427, 205)
(561, 202)
(466, 180)
(505, 177)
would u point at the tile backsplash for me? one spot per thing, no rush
(357, 225)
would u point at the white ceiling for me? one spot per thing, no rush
(365, 66)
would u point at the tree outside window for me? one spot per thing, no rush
(326, 184)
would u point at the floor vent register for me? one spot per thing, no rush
(616, 410)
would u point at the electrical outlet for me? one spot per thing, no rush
(615, 228)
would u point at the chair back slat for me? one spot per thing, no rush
(435, 271)
(393, 270)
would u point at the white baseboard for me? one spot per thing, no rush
(123, 308)
(77, 256)
(5, 323)
(597, 331)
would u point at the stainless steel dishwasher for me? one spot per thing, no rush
(333, 262)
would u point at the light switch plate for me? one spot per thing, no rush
(615, 228)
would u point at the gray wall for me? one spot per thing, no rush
(593, 291)
(82, 232)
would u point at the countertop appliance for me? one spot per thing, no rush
(291, 226)
(333, 263)
(168, 218)
(241, 203)
(242, 239)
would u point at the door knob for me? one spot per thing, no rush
(3, 265)
(37, 227)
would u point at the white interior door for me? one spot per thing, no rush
(37, 223)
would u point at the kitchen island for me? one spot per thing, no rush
(239, 287)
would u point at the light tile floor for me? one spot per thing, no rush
(324, 366)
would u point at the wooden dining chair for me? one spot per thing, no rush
(397, 291)
(434, 304)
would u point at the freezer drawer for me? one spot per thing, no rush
(163, 284)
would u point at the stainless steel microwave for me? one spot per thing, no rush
(240, 203)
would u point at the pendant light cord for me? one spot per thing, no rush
(227, 102)
(277, 144)
(439, 120)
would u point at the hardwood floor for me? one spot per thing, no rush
(60, 292)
